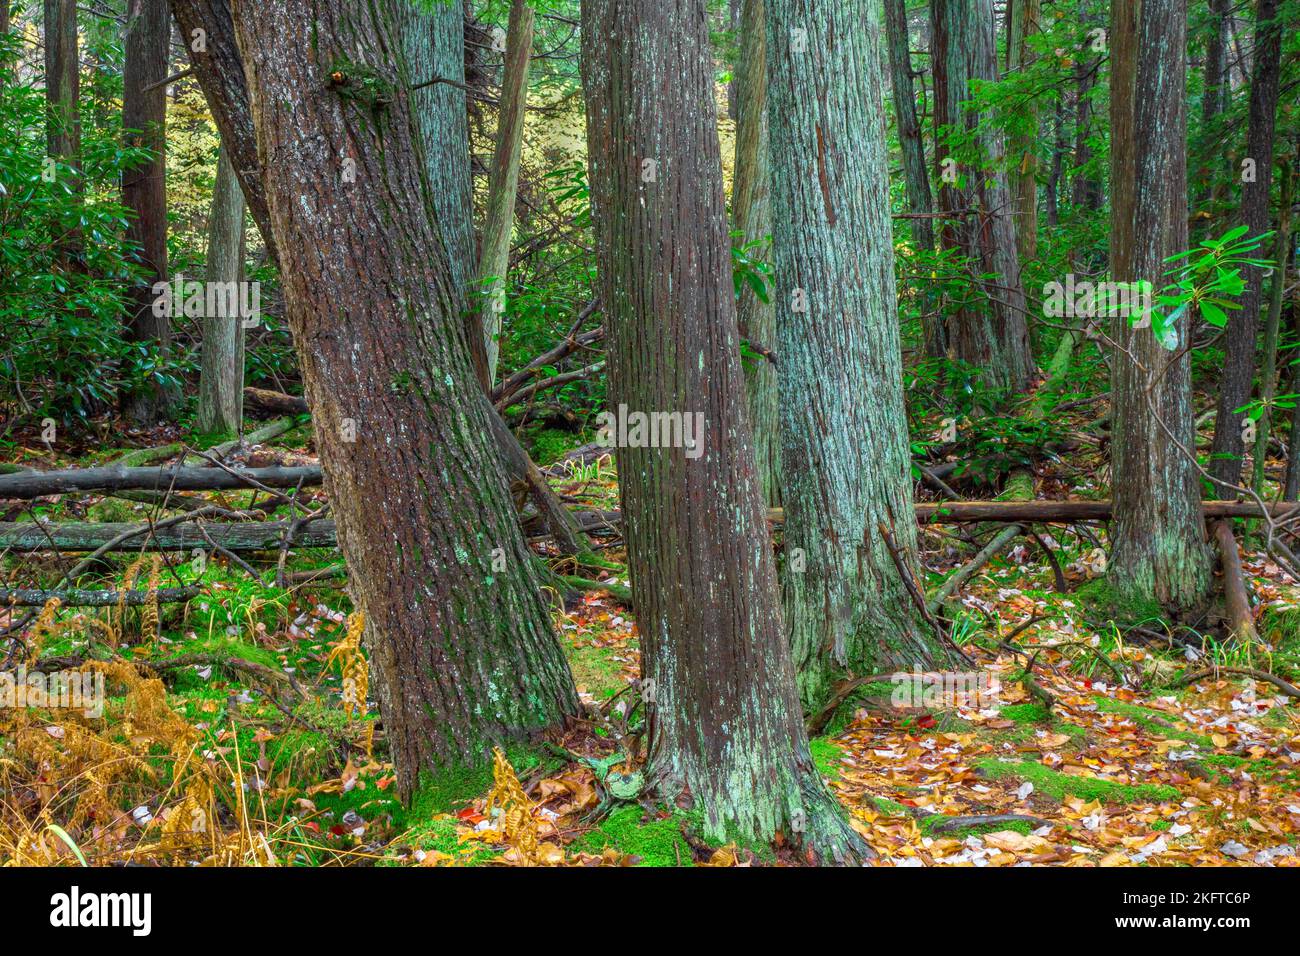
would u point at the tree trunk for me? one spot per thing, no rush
(1228, 450)
(751, 210)
(1024, 146)
(1087, 187)
(1158, 544)
(844, 427)
(994, 341)
(62, 83)
(725, 721)
(1214, 95)
(919, 200)
(434, 42)
(1058, 161)
(221, 379)
(503, 184)
(461, 641)
(144, 190)
(1273, 324)
(209, 35)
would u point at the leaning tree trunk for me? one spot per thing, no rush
(994, 341)
(221, 377)
(144, 190)
(847, 469)
(220, 73)
(1087, 187)
(751, 213)
(460, 637)
(1024, 144)
(504, 181)
(209, 35)
(1158, 533)
(725, 721)
(1242, 333)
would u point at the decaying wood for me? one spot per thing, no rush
(26, 536)
(77, 597)
(261, 402)
(964, 574)
(36, 484)
(1241, 621)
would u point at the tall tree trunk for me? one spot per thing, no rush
(221, 377)
(994, 341)
(1242, 332)
(434, 43)
(461, 640)
(1214, 95)
(62, 83)
(919, 200)
(1024, 145)
(503, 184)
(144, 190)
(725, 721)
(844, 428)
(1087, 186)
(1272, 325)
(751, 210)
(220, 73)
(1157, 546)
(1058, 161)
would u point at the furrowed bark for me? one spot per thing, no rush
(144, 190)
(752, 217)
(1158, 538)
(461, 641)
(221, 379)
(725, 721)
(994, 341)
(504, 182)
(1228, 450)
(844, 427)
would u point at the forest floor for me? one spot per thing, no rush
(208, 753)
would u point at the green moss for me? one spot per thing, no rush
(1162, 824)
(826, 755)
(656, 842)
(439, 835)
(891, 808)
(1103, 600)
(1059, 785)
(595, 670)
(928, 824)
(844, 713)
(1153, 721)
(1026, 713)
(449, 789)
(551, 444)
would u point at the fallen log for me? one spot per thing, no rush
(26, 536)
(38, 484)
(967, 571)
(1058, 512)
(260, 402)
(266, 535)
(77, 597)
